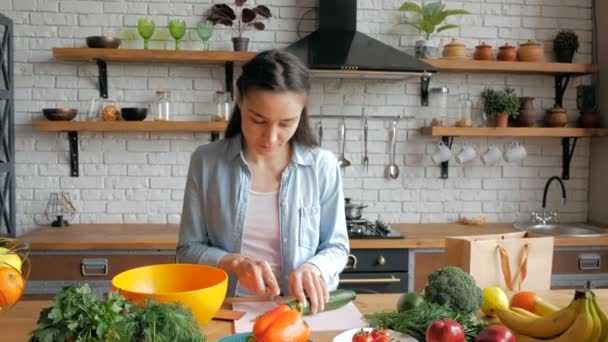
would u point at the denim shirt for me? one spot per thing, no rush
(311, 210)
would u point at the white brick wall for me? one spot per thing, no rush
(139, 177)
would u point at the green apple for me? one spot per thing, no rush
(7, 258)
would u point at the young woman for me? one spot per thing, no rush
(265, 204)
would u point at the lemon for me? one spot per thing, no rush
(494, 298)
(7, 258)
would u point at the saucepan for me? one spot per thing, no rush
(353, 211)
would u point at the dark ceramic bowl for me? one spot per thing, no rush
(60, 114)
(133, 113)
(103, 42)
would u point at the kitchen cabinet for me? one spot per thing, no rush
(574, 266)
(425, 261)
(376, 271)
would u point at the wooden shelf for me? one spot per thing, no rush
(512, 67)
(157, 56)
(131, 126)
(513, 132)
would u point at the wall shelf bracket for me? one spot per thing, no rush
(561, 84)
(229, 73)
(567, 153)
(73, 141)
(424, 89)
(103, 78)
(447, 141)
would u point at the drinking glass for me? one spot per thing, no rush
(177, 29)
(204, 29)
(145, 27)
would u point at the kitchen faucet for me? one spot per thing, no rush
(548, 216)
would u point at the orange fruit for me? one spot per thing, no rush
(524, 300)
(11, 286)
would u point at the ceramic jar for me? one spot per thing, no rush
(483, 52)
(588, 120)
(530, 51)
(507, 53)
(528, 116)
(556, 117)
(455, 50)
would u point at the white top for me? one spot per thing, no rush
(261, 232)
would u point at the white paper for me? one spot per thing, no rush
(344, 318)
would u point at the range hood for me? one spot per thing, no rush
(337, 46)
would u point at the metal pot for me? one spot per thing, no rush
(353, 211)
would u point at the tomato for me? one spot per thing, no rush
(379, 332)
(11, 286)
(362, 336)
(524, 300)
(382, 338)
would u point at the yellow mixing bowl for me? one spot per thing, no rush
(198, 287)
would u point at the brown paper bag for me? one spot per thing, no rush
(512, 261)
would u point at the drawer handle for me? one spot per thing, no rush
(94, 267)
(589, 261)
(352, 262)
(390, 280)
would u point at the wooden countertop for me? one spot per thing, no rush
(164, 236)
(21, 319)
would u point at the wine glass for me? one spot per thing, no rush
(145, 27)
(204, 29)
(177, 29)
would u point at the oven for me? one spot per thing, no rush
(376, 271)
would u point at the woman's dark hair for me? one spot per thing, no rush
(275, 70)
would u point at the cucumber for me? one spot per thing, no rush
(337, 299)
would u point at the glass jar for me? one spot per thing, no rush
(162, 105)
(223, 103)
(465, 109)
(439, 101)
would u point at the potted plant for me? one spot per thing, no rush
(247, 17)
(427, 21)
(587, 105)
(501, 104)
(564, 46)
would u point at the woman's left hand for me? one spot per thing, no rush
(305, 282)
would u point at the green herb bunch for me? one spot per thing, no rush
(566, 40)
(430, 16)
(78, 316)
(496, 102)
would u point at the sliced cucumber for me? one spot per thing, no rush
(337, 299)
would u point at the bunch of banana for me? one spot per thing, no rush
(582, 320)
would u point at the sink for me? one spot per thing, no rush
(562, 229)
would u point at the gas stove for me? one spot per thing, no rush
(364, 229)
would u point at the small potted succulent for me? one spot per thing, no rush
(500, 104)
(587, 105)
(239, 20)
(565, 44)
(428, 19)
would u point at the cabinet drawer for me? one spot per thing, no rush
(84, 266)
(389, 282)
(588, 261)
(377, 260)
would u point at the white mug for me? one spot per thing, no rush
(492, 155)
(442, 154)
(467, 153)
(516, 152)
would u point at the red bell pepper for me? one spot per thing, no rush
(281, 324)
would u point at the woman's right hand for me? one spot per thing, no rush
(253, 274)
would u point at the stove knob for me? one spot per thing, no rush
(381, 261)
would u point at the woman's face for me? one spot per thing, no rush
(269, 119)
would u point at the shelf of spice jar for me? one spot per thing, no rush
(468, 65)
(138, 126)
(161, 56)
(565, 132)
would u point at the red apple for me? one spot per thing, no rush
(445, 330)
(495, 333)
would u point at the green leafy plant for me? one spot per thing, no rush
(496, 102)
(566, 40)
(225, 15)
(430, 16)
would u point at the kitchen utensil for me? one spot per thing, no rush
(530, 51)
(365, 158)
(353, 211)
(507, 53)
(201, 288)
(133, 113)
(60, 114)
(454, 50)
(103, 42)
(392, 169)
(342, 161)
(483, 52)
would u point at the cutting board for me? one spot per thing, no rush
(228, 315)
(344, 318)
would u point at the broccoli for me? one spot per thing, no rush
(454, 287)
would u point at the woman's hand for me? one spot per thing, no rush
(307, 278)
(253, 274)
